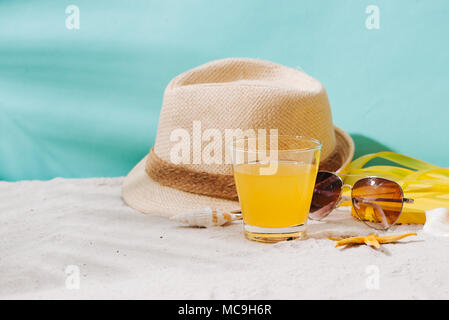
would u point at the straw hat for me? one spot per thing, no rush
(235, 93)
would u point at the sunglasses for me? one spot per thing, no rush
(377, 201)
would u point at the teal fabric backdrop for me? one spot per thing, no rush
(85, 103)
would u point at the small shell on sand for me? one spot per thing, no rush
(437, 222)
(206, 217)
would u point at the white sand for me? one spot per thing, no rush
(47, 226)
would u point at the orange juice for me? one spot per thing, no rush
(275, 201)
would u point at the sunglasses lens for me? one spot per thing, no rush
(325, 195)
(377, 201)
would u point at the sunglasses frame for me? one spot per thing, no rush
(342, 198)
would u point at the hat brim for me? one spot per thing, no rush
(144, 194)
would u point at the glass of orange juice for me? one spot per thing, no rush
(275, 178)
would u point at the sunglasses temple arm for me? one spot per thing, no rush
(406, 200)
(374, 205)
(379, 209)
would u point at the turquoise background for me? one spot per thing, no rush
(85, 103)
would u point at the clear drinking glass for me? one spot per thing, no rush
(275, 178)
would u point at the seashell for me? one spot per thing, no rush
(207, 217)
(437, 222)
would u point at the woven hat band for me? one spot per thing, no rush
(204, 183)
(185, 179)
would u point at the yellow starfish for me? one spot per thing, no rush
(372, 240)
